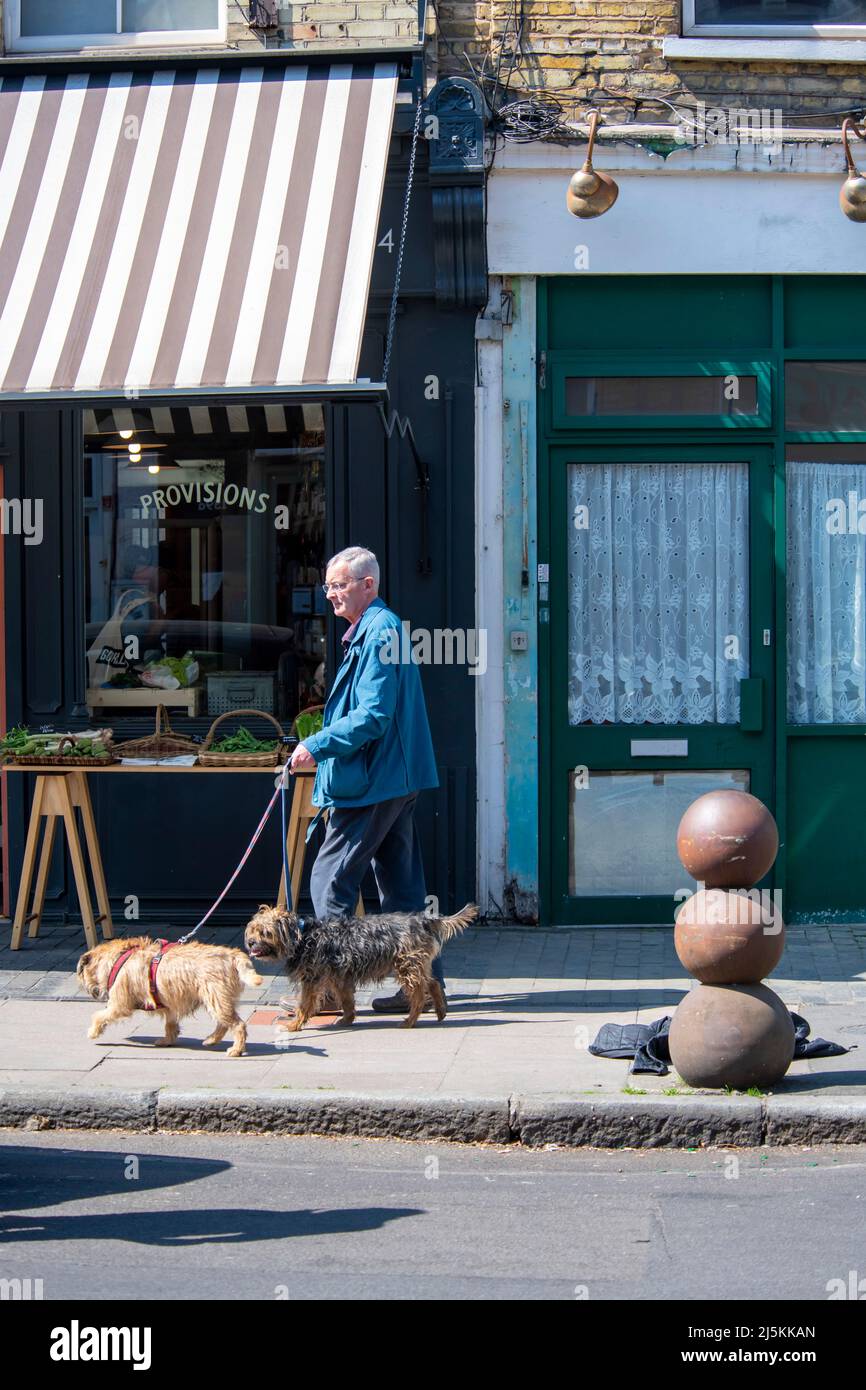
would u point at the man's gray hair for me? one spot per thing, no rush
(361, 562)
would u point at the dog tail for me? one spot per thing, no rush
(246, 970)
(446, 927)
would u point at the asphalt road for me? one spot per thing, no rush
(177, 1217)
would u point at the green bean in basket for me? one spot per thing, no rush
(243, 742)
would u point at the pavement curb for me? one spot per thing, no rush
(801, 1120)
(311, 1112)
(599, 1122)
(35, 1108)
(615, 1123)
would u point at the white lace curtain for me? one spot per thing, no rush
(658, 592)
(826, 594)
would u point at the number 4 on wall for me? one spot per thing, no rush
(387, 240)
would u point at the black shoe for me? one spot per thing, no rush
(397, 1004)
(330, 1004)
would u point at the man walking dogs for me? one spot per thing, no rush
(372, 758)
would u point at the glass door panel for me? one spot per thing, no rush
(658, 592)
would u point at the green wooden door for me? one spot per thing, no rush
(657, 648)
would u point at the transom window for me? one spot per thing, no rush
(69, 25)
(775, 18)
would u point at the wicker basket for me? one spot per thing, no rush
(208, 759)
(162, 743)
(60, 759)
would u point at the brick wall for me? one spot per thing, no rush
(597, 51)
(355, 23)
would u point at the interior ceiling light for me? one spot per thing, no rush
(153, 468)
(589, 192)
(125, 434)
(852, 196)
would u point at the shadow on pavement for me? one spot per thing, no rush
(209, 1226)
(37, 1177)
(818, 1081)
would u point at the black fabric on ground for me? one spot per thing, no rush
(647, 1044)
(818, 1047)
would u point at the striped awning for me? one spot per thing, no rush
(189, 421)
(209, 230)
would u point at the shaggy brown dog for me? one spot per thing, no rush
(341, 953)
(188, 977)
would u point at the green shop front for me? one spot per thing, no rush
(701, 598)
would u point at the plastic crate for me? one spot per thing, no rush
(227, 690)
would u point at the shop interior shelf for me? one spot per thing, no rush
(107, 698)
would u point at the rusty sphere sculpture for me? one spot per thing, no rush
(731, 1035)
(725, 937)
(727, 839)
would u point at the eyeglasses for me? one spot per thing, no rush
(337, 588)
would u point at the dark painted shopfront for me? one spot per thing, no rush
(703, 512)
(211, 539)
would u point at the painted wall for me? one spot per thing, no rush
(718, 210)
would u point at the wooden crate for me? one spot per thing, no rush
(145, 699)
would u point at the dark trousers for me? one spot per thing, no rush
(384, 835)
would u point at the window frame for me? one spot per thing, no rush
(83, 43)
(561, 364)
(691, 29)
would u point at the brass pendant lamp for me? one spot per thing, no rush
(852, 196)
(590, 193)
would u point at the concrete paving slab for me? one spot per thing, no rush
(524, 1007)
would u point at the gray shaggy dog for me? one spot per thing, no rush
(340, 953)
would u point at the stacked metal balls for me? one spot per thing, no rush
(731, 1030)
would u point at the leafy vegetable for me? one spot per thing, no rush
(20, 743)
(309, 724)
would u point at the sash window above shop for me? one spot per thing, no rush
(45, 25)
(753, 18)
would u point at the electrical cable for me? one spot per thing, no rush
(541, 116)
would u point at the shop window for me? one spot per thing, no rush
(821, 396)
(658, 575)
(826, 585)
(622, 829)
(771, 18)
(47, 25)
(204, 545)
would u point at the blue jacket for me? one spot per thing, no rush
(375, 743)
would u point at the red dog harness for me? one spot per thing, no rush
(155, 1002)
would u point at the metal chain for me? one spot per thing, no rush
(392, 314)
